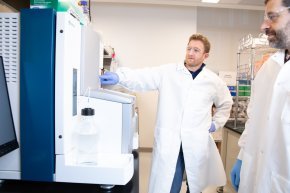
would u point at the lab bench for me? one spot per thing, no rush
(18, 186)
(230, 149)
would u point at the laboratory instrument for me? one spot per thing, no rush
(59, 62)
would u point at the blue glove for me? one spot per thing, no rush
(109, 78)
(235, 174)
(212, 128)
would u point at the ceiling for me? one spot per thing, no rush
(233, 4)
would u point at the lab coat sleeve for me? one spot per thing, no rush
(140, 79)
(223, 102)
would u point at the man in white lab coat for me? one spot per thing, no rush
(263, 164)
(187, 91)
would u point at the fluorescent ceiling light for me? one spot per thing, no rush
(210, 1)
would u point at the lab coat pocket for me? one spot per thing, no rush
(279, 184)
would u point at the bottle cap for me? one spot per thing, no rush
(88, 112)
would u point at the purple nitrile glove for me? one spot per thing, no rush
(109, 78)
(212, 128)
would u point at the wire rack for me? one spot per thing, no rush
(249, 49)
(249, 42)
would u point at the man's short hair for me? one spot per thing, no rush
(203, 39)
(285, 3)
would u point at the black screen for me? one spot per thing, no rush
(8, 141)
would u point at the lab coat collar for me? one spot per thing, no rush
(181, 68)
(279, 57)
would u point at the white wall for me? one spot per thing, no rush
(224, 28)
(145, 35)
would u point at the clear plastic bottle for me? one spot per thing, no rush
(87, 138)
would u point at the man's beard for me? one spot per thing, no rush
(281, 38)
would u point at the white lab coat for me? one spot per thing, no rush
(184, 115)
(265, 143)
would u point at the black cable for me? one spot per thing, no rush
(90, 18)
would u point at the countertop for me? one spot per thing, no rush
(18, 186)
(240, 127)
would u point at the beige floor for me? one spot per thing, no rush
(144, 170)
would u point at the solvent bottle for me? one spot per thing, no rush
(87, 138)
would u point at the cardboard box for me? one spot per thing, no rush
(62, 6)
(44, 4)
